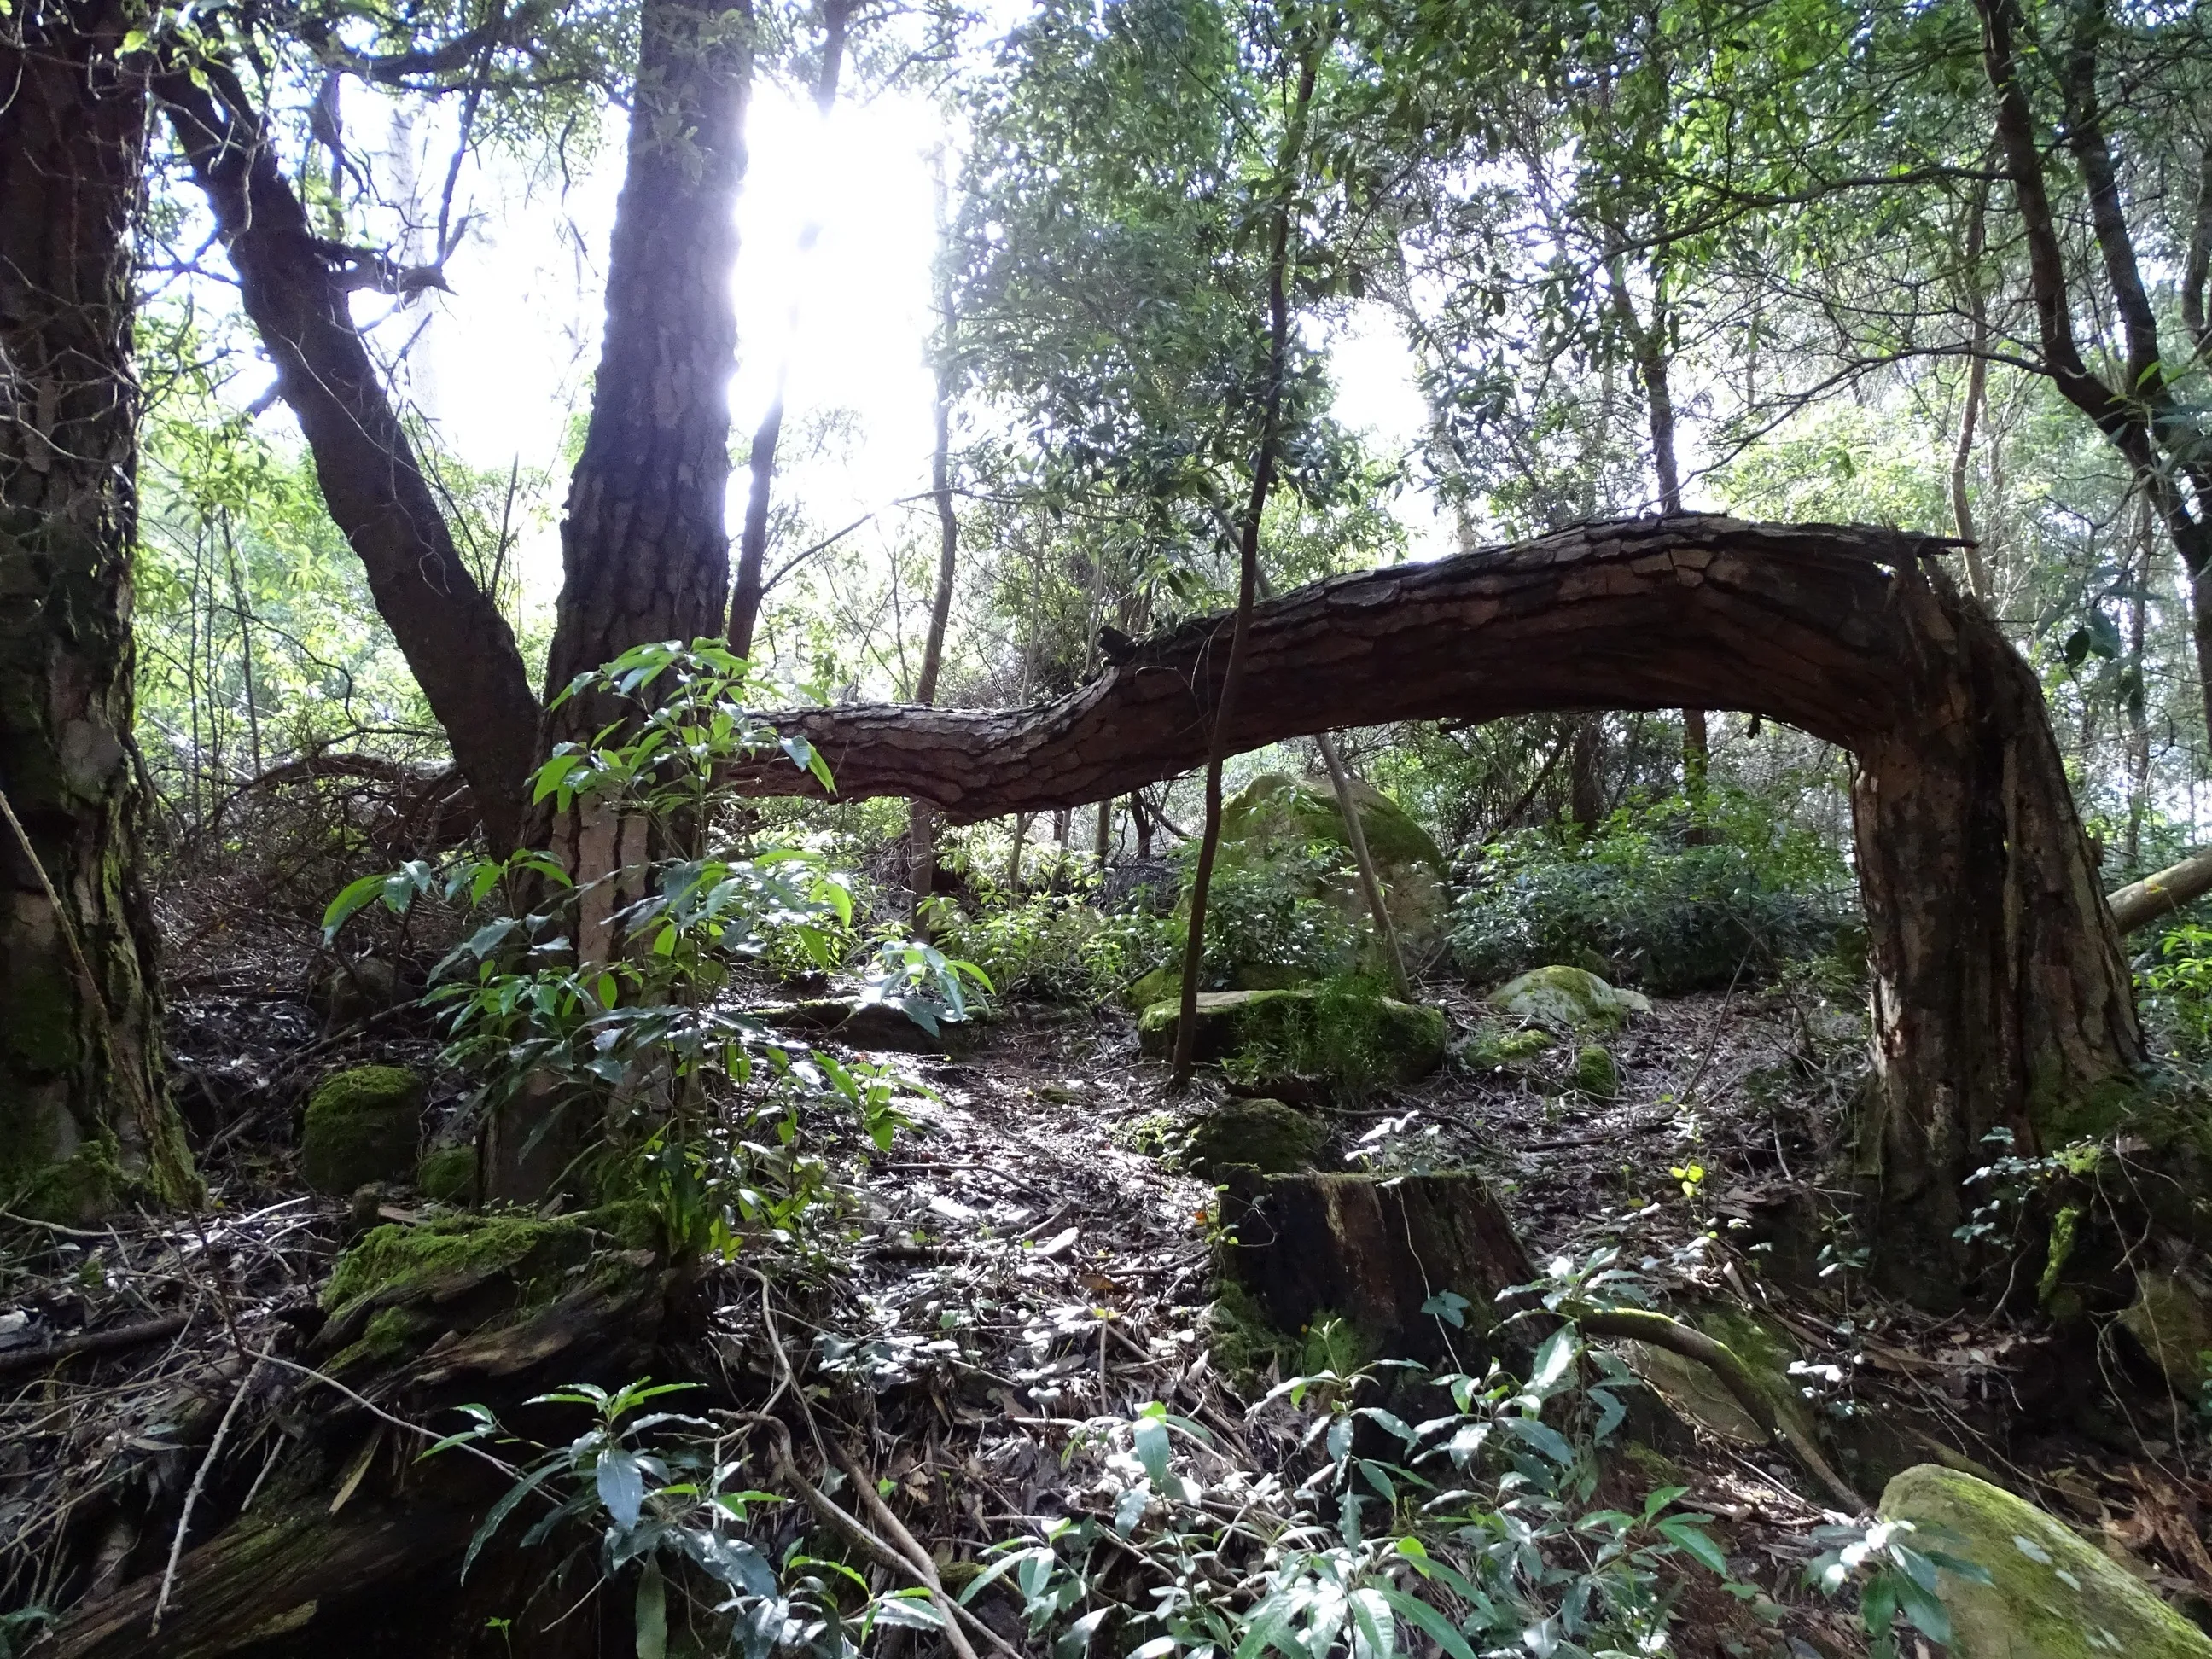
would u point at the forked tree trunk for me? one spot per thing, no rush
(2001, 997)
(82, 1105)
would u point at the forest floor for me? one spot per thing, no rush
(1023, 1264)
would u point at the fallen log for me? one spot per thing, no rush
(2160, 894)
(2000, 994)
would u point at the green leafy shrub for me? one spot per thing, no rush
(1053, 947)
(1675, 895)
(706, 1100)
(1267, 925)
(2178, 987)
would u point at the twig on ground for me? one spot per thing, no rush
(200, 1484)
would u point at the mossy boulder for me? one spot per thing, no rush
(361, 1125)
(1596, 1073)
(1356, 1039)
(1276, 816)
(2171, 1320)
(1494, 1046)
(1266, 1135)
(2051, 1594)
(401, 1288)
(1568, 999)
(448, 1174)
(1161, 985)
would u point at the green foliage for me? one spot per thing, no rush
(1476, 1530)
(1266, 925)
(1679, 896)
(1052, 947)
(2178, 984)
(707, 1100)
(670, 1498)
(1347, 1030)
(1893, 1564)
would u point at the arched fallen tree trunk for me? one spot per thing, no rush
(2001, 998)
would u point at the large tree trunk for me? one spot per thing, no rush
(644, 550)
(645, 553)
(2001, 997)
(82, 1105)
(296, 288)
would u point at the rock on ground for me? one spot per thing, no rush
(361, 1125)
(1568, 999)
(2051, 1594)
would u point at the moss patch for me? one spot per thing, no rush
(2051, 1595)
(438, 1257)
(1568, 999)
(1348, 1035)
(361, 1125)
(1494, 1046)
(1595, 1074)
(2172, 1318)
(447, 1174)
(1266, 1135)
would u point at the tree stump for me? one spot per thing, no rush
(1412, 1263)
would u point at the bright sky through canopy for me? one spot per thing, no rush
(510, 353)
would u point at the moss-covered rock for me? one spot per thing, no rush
(1275, 816)
(2051, 1594)
(1595, 1074)
(1511, 1046)
(1267, 1135)
(2172, 1319)
(361, 1125)
(448, 1174)
(1568, 999)
(437, 1257)
(1161, 985)
(1355, 1039)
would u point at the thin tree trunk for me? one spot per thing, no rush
(922, 856)
(1978, 377)
(753, 543)
(2138, 709)
(1103, 848)
(1247, 579)
(245, 644)
(84, 1109)
(1585, 780)
(1014, 858)
(296, 289)
(1371, 882)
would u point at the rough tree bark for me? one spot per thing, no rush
(82, 1104)
(1999, 997)
(296, 288)
(645, 554)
